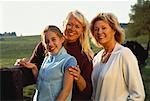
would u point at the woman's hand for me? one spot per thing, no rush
(75, 71)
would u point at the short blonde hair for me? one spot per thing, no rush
(112, 20)
(84, 38)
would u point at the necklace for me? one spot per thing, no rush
(105, 57)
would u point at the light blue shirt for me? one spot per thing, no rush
(51, 75)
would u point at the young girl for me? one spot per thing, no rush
(54, 82)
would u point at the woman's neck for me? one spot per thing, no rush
(109, 47)
(76, 43)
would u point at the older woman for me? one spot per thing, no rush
(116, 75)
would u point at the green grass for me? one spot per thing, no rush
(146, 78)
(12, 48)
(28, 91)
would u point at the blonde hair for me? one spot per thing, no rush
(84, 38)
(112, 20)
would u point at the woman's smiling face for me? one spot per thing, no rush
(103, 33)
(73, 29)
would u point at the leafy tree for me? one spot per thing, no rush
(139, 20)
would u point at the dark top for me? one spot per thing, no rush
(85, 65)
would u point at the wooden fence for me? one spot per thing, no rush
(12, 81)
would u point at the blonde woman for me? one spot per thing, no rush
(76, 32)
(116, 75)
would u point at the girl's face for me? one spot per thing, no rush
(53, 42)
(73, 29)
(103, 33)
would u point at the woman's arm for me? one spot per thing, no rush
(36, 58)
(67, 86)
(38, 55)
(29, 65)
(133, 77)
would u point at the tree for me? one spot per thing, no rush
(139, 20)
(13, 34)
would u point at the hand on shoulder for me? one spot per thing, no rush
(75, 71)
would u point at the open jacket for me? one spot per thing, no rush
(119, 79)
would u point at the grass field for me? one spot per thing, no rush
(12, 48)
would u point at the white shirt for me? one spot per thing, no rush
(119, 79)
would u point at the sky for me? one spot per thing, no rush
(30, 17)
